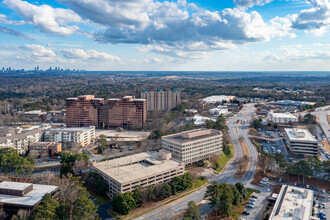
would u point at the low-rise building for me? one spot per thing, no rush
(293, 203)
(283, 118)
(19, 138)
(301, 141)
(219, 110)
(44, 149)
(143, 169)
(194, 145)
(16, 195)
(35, 115)
(217, 99)
(83, 136)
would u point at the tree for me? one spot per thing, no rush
(83, 208)
(192, 212)
(46, 210)
(241, 189)
(102, 143)
(123, 203)
(10, 160)
(237, 197)
(95, 182)
(256, 123)
(213, 194)
(226, 198)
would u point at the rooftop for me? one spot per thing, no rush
(217, 98)
(297, 134)
(191, 135)
(30, 199)
(283, 115)
(11, 133)
(77, 129)
(136, 166)
(293, 203)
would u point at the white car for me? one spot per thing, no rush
(323, 191)
(265, 179)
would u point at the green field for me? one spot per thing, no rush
(199, 183)
(223, 159)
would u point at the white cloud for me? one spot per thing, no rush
(315, 20)
(46, 18)
(88, 54)
(4, 20)
(251, 3)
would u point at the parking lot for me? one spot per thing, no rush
(274, 147)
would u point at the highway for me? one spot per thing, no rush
(169, 210)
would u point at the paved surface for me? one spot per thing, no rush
(102, 210)
(170, 210)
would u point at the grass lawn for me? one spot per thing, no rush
(250, 191)
(199, 183)
(223, 159)
(101, 199)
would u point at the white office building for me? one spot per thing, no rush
(301, 141)
(293, 203)
(143, 169)
(283, 118)
(194, 145)
(82, 136)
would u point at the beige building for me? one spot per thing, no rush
(82, 136)
(293, 203)
(195, 145)
(301, 141)
(143, 169)
(161, 99)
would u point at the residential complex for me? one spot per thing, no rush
(82, 136)
(142, 169)
(127, 112)
(35, 115)
(301, 141)
(16, 195)
(161, 99)
(19, 138)
(283, 118)
(194, 145)
(293, 203)
(44, 149)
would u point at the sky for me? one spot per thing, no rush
(158, 35)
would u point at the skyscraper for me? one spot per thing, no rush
(161, 99)
(127, 112)
(83, 111)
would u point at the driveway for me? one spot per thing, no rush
(103, 211)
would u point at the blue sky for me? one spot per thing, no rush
(212, 35)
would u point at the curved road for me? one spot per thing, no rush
(235, 131)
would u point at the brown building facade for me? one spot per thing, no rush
(127, 112)
(44, 149)
(83, 111)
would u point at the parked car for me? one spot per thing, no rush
(307, 186)
(246, 212)
(254, 196)
(323, 191)
(250, 206)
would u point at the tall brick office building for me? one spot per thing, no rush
(127, 112)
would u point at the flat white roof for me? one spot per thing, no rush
(293, 203)
(29, 199)
(136, 166)
(73, 129)
(14, 185)
(217, 98)
(283, 115)
(297, 134)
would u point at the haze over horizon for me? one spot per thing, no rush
(178, 35)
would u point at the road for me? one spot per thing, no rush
(235, 131)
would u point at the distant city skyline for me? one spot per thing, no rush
(180, 35)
